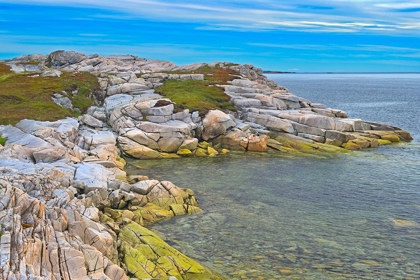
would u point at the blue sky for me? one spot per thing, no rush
(307, 35)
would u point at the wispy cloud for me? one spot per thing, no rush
(332, 16)
(357, 47)
(273, 34)
(399, 5)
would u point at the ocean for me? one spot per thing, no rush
(347, 217)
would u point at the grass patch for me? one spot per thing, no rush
(3, 140)
(212, 75)
(22, 96)
(200, 96)
(196, 96)
(28, 63)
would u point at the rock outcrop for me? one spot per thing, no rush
(69, 211)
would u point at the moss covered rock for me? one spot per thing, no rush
(203, 145)
(391, 137)
(145, 255)
(211, 151)
(384, 142)
(184, 152)
(201, 152)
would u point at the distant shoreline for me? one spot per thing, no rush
(278, 72)
(283, 72)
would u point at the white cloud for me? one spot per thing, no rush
(399, 5)
(390, 50)
(365, 16)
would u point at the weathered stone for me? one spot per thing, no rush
(233, 140)
(170, 145)
(84, 174)
(391, 137)
(216, 123)
(142, 138)
(201, 152)
(184, 152)
(91, 121)
(257, 143)
(143, 187)
(211, 151)
(190, 144)
(62, 101)
(49, 155)
(135, 149)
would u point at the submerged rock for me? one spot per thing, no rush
(402, 223)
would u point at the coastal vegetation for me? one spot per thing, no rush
(201, 96)
(29, 96)
(196, 95)
(2, 140)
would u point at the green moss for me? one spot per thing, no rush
(212, 151)
(28, 63)
(201, 152)
(290, 144)
(184, 152)
(82, 102)
(384, 142)
(212, 75)
(3, 140)
(25, 96)
(391, 137)
(144, 254)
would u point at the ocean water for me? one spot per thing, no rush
(270, 217)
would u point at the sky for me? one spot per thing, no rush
(300, 36)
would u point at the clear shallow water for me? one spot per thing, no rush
(268, 217)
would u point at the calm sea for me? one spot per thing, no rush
(268, 217)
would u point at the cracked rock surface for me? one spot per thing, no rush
(67, 208)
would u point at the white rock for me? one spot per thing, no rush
(216, 123)
(94, 176)
(91, 121)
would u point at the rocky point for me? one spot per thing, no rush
(68, 210)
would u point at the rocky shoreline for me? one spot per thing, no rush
(64, 189)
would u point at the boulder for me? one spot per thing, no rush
(190, 144)
(49, 155)
(16, 152)
(62, 101)
(63, 58)
(184, 152)
(257, 143)
(94, 176)
(143, 187)
(233, 140)
(216, 123)
(142, 138)
(271, 122)
(91, 121)
(170, 145)
(136, 150)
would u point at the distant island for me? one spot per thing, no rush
(278, 72)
